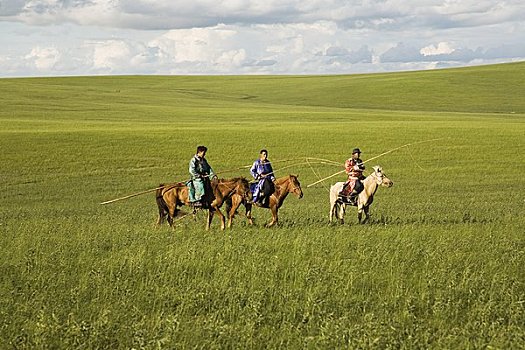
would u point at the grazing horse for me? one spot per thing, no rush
(283, 186)
(171, 196)
(365, 198)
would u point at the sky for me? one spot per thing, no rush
(218, 37)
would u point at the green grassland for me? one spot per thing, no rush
(440, 266)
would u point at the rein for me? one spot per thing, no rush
(232, 189)
(379, 180)
(290, 184)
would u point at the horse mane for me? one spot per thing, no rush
(280, 180)
(235, 179)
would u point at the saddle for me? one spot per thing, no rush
(348, 187)
(347, 200)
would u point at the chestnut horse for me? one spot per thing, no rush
(234, 202)
(364, 199)
(283, 186)
(171, 196)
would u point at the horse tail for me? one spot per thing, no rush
(160, 199)
(228, 206)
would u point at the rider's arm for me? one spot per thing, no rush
(193, 169)
(253, 171)
(270, 173)
(349, 164)
(211, 172)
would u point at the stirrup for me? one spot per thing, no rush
(342, 198)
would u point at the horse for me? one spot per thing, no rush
(170, 197)
(241, 195)
(364, 199)
(234, 202)
(283, 186)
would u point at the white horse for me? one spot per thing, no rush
(365, 198)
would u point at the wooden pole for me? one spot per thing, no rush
(382, 154)
(131, 195)
(326, 178)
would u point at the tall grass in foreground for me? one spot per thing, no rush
(452, 286)
(440, 266)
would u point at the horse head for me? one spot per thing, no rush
(295, 186)
(381, 178)
(243, 189)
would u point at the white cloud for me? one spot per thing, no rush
(109, 55)
(44, 58)
(197, 44)
(168, 14)
(56, 37)
(443, 48)
(230, 59)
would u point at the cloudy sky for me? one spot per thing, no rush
(92, 37)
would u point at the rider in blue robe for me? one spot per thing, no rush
(262, 172)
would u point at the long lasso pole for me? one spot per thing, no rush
(131, 195)
(326, 178)
(292, 165)
(382, 154)
(161, 187)
(408, 144)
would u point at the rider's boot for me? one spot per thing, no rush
(352, 198)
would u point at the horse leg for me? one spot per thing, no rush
(360, 213)
(248, 207)
(172, 214)
(367, 214)
(160, 219)
(161, 204)
(235, 203)
(211, 211)
(332, 208)
(223, 219)
(341, 213)
(274, 216)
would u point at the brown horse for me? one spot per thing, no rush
(365, 198)
(171, 196)
(234, 202)
(283, 186)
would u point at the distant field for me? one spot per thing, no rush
(440, 266)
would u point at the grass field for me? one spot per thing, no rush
(440, 266)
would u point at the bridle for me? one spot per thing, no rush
(378, 174)
(294, 187)
(379, 178)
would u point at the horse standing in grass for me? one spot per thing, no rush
(172, 196)
(364, 199)
(283, 186)
(234, 202)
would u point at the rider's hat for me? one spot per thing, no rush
(356, 150)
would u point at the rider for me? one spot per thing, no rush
(262, 172)
(354, 167)
(200, 172)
